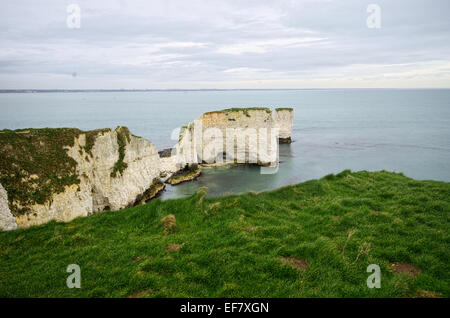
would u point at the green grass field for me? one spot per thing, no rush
(314, 239)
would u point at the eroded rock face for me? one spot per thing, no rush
(120, 190)
(102, 185)
(236, 135)
(7, 220)
(168, 166)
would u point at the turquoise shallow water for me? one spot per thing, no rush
(396, 130)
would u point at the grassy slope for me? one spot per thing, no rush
(233, 246)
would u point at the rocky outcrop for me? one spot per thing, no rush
(113, 168)
(168, 166)
(188, 173)
(284, 118)
(236, 135)
(7, 220)
(152, 192)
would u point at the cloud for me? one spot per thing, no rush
(265, 46)
(224, 44)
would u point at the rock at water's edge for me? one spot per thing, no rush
(184, 175)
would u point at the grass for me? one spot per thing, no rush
(314, 239)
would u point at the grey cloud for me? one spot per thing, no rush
(224, 43)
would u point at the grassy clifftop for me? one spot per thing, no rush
(312, 239)
(245, 110)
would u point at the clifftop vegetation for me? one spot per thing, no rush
(245, 110)
(123, 136)
(34, 163)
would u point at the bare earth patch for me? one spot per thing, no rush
(174, 247)
(251, 228)
(141, 294)
(425, 294)
(336, 217)
(379, 212)
(137, 259)
(405, 269)
(295, 263)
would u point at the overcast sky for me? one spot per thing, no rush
(224, 44)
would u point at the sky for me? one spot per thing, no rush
(237, 44)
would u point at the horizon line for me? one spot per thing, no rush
(50, 90)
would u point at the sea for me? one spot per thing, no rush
(399, 130)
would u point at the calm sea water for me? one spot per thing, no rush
(396, 130)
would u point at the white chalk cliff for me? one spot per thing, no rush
(98, 189)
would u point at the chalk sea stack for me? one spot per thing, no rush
(234, 133)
